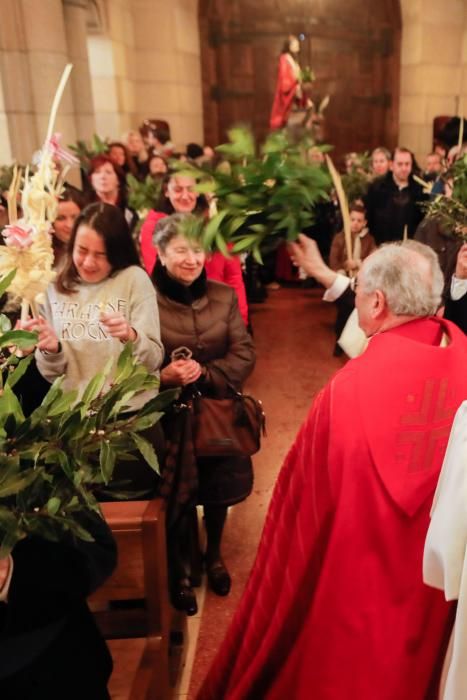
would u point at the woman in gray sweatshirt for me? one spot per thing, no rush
(101, 299)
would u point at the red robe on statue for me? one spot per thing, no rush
(335, 607)
(286, 86)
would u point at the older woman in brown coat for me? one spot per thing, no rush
(202, 316)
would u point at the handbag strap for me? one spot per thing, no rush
(245, 397)
(225, 376)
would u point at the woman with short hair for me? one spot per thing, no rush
(202, 316)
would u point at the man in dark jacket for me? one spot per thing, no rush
(393, 201)
(434, 233)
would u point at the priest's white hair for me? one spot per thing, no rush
(408, 274)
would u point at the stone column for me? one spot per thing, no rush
(111, 60)
(47, 55)
(18, 132)
(434, 52)
(74, 12)
(167, 75)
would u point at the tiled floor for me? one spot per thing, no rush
(194, 625)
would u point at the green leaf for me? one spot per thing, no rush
(122, 403)
(221, 244)
(5, 323)
(22, 339)
(53, 505)
(257, 228)
(80, 531)
(10, 406)
(107, 461)
(57, 456)
(6, 281)
(147, 450)
(206, 187)
(236, 223)
(147, 421)
(15, 484)
(52, 394)
(70, 424)
(125, 363)
(257, 255)
(235, 199)
(160, 402)
(7, 519)
(245, 243)
(62, 403)
(19, 370)
(97, 383)
(10, 538)
(212, 227)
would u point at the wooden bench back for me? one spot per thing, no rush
(133, 602)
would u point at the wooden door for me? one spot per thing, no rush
(353, 46)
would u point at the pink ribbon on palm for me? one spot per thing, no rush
(17, 236)
(58, 152)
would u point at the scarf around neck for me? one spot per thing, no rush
(171, 288)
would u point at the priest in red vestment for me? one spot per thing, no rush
(335, 607)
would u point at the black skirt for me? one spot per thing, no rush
(224, 480)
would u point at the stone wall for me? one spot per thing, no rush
(434, 68)
(167, 66)
(37, 40)
(111, 53)
(133, 59)
(33, 54)
(145, 63)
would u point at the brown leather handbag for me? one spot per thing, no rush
(229, 427)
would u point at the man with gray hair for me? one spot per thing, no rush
(335, 606)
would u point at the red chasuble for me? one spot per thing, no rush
(335, 607)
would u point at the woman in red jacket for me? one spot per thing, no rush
(179, 196)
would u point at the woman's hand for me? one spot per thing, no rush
(118, 327)
(461, 265)
(47, 338)
(181, 372)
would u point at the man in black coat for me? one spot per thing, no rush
(50, 647)
(393, 201)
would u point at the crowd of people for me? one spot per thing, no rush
(340, 560)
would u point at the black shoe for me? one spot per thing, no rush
(184, 598)
(218, 577)
(196, 580)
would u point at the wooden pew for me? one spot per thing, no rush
(133, 608)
